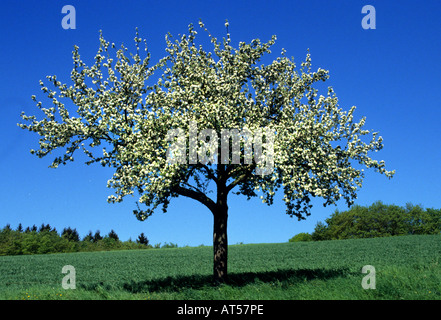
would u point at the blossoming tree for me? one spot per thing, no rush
(317, 149)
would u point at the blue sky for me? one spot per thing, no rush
(392, 75)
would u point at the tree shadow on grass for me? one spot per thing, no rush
(284, 276)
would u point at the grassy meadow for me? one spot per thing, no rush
(407, 267)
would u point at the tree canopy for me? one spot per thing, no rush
(379, 220)
(314, 148)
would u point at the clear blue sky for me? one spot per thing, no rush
(392, 74)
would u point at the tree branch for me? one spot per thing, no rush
(209, 173)
(242, 177)
(199, 196)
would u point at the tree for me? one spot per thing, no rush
(88, 237)
(70, 234)
(112, 235)
(142, 239)
(434, 221)
(10, 243)
(44, 228)
(97, 236)
(302, 144)
(302, 236)
(422, 221)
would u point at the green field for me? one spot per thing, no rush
(407, 267)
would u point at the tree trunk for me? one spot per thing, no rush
(220, 243)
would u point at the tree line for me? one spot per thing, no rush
(376, 220)
(46, 239)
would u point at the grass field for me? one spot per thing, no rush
(407, 267)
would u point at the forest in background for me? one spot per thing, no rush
(376, 220)
(46, 239)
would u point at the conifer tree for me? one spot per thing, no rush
(142, 239)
